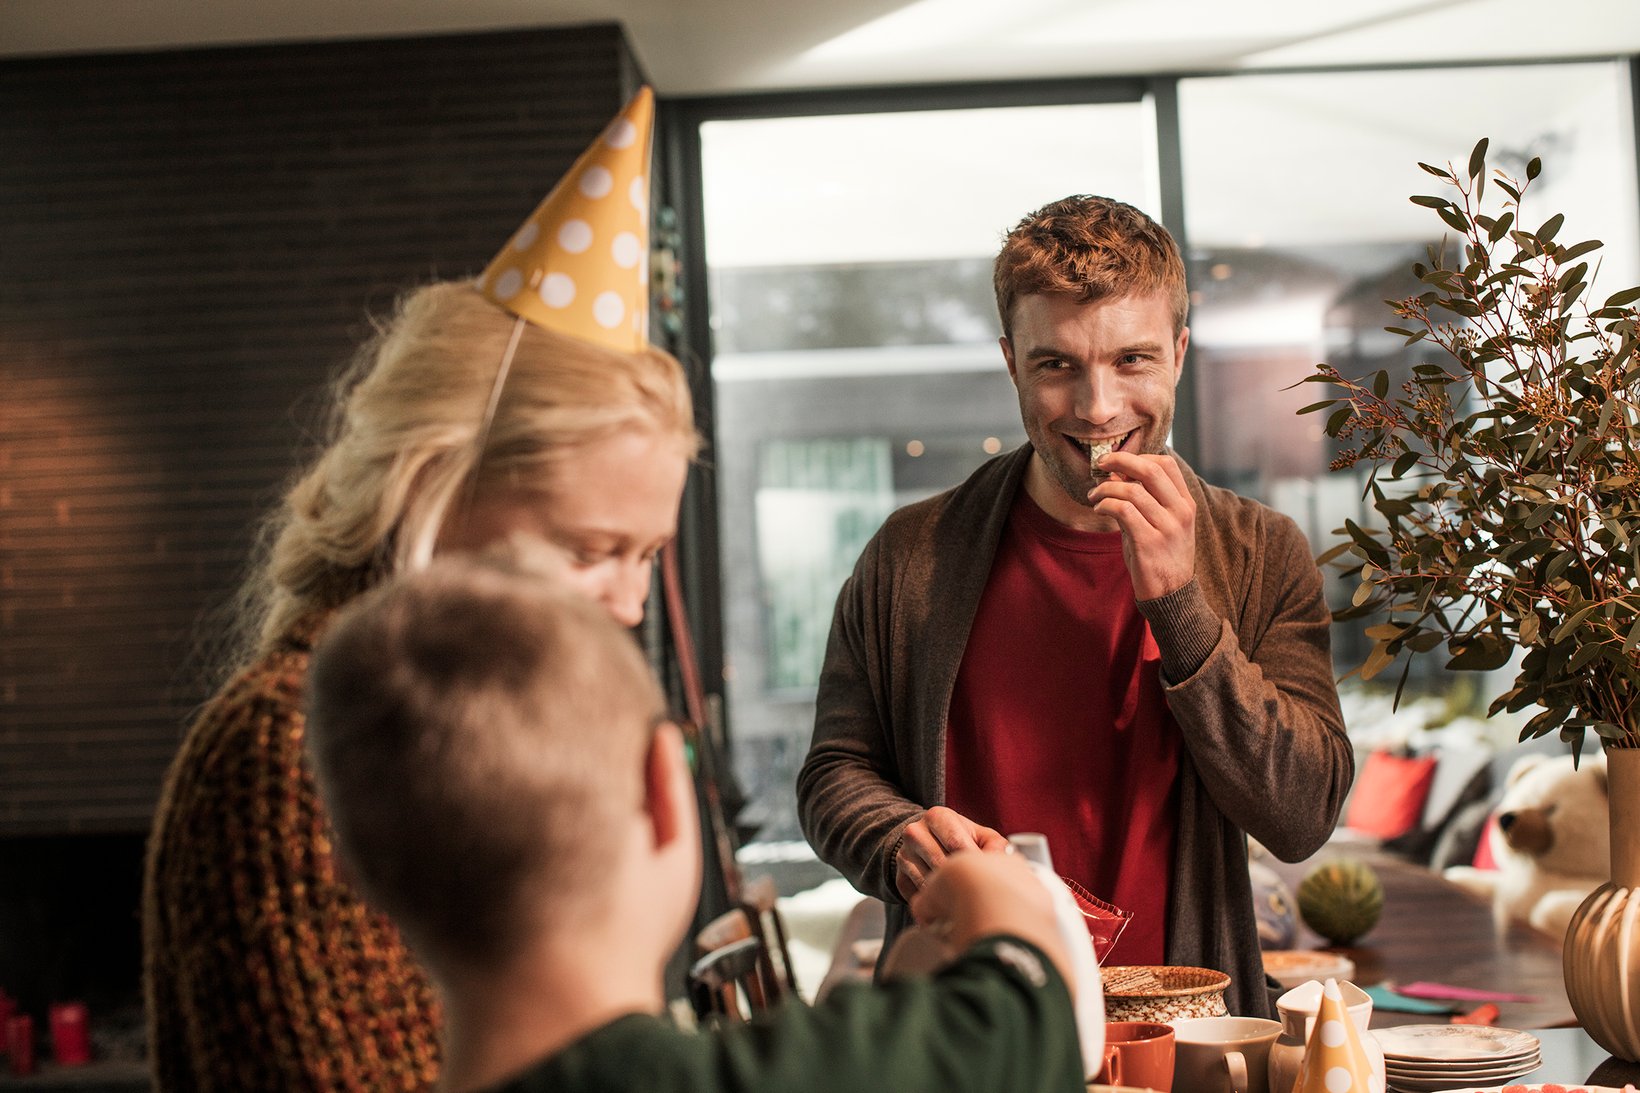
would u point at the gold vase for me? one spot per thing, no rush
(1602, 953)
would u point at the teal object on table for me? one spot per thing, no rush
(1385, 999)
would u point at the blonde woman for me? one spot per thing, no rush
(263, 968)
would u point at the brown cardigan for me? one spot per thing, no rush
(1245, 654)
(263, 968)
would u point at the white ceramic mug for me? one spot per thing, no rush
(1223, 1054)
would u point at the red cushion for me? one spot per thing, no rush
(1484, 858)
(1389, 794)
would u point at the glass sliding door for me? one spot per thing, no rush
(855, 363)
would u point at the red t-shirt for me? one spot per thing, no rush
(1058, 722)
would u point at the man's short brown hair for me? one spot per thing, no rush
(478, 734)
(1088, 248)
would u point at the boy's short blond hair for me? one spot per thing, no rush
(478, 734)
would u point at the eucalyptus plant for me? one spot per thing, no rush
(1506, 469)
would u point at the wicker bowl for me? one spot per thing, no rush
(1163, 993)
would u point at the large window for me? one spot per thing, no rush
(855, 364)
(1297, 240)
(854, 356)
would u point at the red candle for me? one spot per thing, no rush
(70, 1033)
(20, 1042)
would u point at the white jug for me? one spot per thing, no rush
(1297, 1009)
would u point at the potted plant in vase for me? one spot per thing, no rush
(1506, 473)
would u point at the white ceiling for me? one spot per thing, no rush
(701, 46)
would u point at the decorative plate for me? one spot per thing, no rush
(1290, 967)
(1453, 1042)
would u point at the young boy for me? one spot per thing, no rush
(493, 754)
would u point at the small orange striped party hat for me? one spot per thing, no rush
(580, 264)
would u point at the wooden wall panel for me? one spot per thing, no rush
(190, 245)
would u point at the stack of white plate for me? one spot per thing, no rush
(1427, 1058)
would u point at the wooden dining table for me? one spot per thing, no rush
(1434, 931)
(1430, 931)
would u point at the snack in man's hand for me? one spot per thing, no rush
(1097, 450)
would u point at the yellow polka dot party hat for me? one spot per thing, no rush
(1334, 1060)
(580, 264)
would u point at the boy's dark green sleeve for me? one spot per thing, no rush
(998, 1020)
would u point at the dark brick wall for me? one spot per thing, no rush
(190, 244)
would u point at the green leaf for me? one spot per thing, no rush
(1529, 629)
(1481, 655)
(1377, 660)
(1454, 219)
(1573, 621)
(1477, 159)
(1437, 172)
(1557, 565)
(1583, 656)
(1338, 418)
(1632, 642)
(1406, 670)
(1314, 406)
(1374, 550)
(1543, 722)
(1627, 296)
(1424, 641)
(1539, 515)
(1393, 507)
(1429, 201)
(1578, 250)
(1550, 226)
(1606, 413)
(1380, 383)
(1534, 167)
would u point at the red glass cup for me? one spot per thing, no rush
(70, 1034)
(20, 1043)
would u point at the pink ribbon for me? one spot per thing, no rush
(1466, 994)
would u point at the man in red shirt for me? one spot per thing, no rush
(1083, 638)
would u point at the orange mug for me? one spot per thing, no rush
(1138, 1053)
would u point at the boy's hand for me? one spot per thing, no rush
(930, 837)
(974, 896)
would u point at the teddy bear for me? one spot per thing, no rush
(1555, 845)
